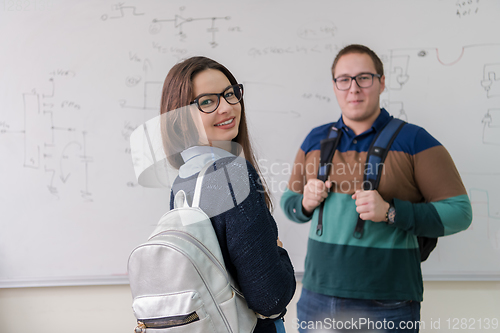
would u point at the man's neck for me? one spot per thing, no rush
(361, 126)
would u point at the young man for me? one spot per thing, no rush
(373, 281)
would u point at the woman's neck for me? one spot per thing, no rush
(226, 145)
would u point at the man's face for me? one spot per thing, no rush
(358, 104)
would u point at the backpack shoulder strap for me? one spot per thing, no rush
(199, 182)
(180, 200)
(327, 150)
(378, 151)
(328, 147)
(375, 161)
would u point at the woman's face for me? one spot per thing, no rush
(223, 123)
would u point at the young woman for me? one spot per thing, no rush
(204, 122)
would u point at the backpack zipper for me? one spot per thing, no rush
(166, 322)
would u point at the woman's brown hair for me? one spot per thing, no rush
(182, 133)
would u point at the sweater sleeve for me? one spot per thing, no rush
(291, 204)
(446, 208)
(264, 271)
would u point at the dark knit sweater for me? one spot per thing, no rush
(232, 196)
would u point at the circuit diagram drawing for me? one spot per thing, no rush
(491, 127)
(491, 80)
(52, 147)
(179, 21)
(399, 65)
(398, 71)
(483, 209)
(151, 90)
(121, 11)
(398, 74)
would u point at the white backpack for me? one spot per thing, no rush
(178, 279)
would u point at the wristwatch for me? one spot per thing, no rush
(390, 216)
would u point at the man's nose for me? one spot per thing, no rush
(354, 86)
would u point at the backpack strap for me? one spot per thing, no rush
(180, 199)
(375, 161)
(327, 150)
(378, 152)
(199, 182)
(328, 147)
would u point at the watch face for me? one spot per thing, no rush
(391, 214)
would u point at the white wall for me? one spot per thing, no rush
(108, 308)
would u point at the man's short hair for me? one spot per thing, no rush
(357, 48)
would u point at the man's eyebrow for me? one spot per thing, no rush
(340, 75)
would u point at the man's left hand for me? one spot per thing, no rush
(370, 205)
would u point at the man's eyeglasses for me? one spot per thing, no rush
(208, 103)
(364, 80)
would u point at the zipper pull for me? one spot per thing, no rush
(141, 328)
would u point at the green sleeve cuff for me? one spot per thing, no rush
(455, 213)
(434, 219)
(291, 204)
(420, 219)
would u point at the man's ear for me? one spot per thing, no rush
(382, 84)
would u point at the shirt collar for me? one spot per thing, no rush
(377, 125)
(383, 118)
(195, 158)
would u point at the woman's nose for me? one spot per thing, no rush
(224, 106)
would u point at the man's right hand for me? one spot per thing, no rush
(315, 192)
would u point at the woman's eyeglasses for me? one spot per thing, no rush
(208, 103)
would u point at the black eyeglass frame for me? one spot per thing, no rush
(353, 78)
(234, 86)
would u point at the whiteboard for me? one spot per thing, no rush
(78, 77)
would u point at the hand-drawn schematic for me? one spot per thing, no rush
(483, 209)
(401, 62)
(121, 11)
(397, 77)
(179, 21)
(491, 120)
(491, 80)
(491, 129)
(56, 149)
(151, 90)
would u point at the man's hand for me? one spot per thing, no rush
(370, 205)
(315, 192)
